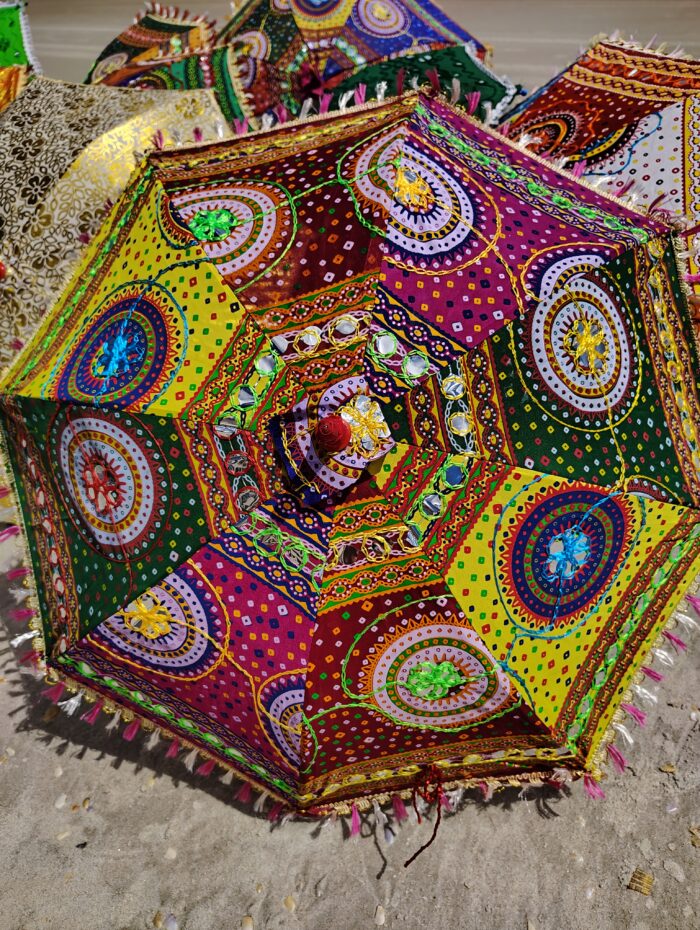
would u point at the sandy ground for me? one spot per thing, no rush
(100, 834)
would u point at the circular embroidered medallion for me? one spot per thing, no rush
(129, 350)
(559, 552)
(382, 18)
(250, 225)
(425, 667)
(578, 354)
(113, 480)
(174, 628)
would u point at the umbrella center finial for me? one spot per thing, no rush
(332, 435)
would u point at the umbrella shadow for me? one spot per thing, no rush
(63, 734)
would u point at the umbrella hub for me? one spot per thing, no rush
(332, 434)
(366, 424)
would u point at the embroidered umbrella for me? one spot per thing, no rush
(627, 119)
(158, 34)
(66, 150)
(291, 51)
(361, 457)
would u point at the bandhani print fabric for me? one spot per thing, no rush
(362, 455)
(67, 150)
(15, 39)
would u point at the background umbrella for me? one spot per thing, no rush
(159, 33)
(300, 49)
(215, 68)
(15, 39)
(628, 117)
(301, 478)
(65, 150)
(594, 101)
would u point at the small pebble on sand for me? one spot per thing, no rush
(674, 869)
(10, 751)
(62, 836)
(247, 923)
(170, 923)
(290, 903)
(58, 771)
(170, 853)
(60, 802)
(380, 916)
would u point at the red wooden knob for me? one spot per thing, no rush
(332, 435)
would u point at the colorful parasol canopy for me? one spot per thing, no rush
(294, 50)
(594, 101)
(156, 35)
(65, 150)
(361, 456)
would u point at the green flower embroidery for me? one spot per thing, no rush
(213, 225)
(433, 680)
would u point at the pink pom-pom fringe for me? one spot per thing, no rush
(55, 693)
(21, 613)
(676, 640)
(206, 768)
(694, 602)
(635, 713)
(244, 793)
(652, 673)
(617, 759)
(473, 102)
(360, 94)
(355, 821)
(275, 812)
(173, 749)
(324, 103)
(8, 533)
(15, 573)
(593, 789)
(91, 715)
(130, 731)
(400, 812)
